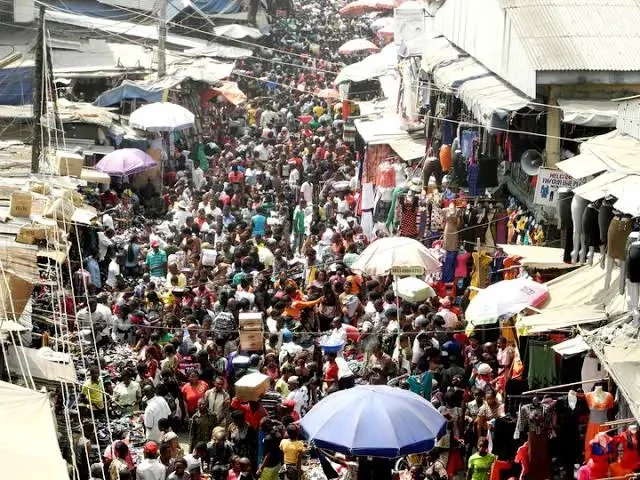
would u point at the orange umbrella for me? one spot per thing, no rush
(360, 7)
(328, 93)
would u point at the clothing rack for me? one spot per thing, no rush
(555, 387)
(620, 422)
(524, 395)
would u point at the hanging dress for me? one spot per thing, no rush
(597, 416)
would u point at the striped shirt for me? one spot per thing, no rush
(157, 263)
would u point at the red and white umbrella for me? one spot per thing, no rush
(358, 45)
(360, 7)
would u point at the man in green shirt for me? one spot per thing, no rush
(156, 261)
(480, 463)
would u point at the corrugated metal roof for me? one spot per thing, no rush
(596, 35)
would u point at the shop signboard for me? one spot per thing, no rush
(407, 271)
(549, 181)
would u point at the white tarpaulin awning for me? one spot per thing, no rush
(570, 347)
(582, 165)
(373, 66)
(380, 130)
(599, 186)
(237, 31)
(27, 420)
(409, 147)
(483, 92)
(577, 298)
(617, 349)
(590, 113)
(618, 151)
(537, 257)
(40, 364)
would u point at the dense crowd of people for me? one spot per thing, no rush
(260, 213)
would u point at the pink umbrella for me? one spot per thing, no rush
(126, 161)
(358, 45)
(328, 93)
(360, 7)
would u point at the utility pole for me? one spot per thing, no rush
(162, 38)
(38, 95)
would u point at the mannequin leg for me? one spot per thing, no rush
(623, 277)
(590, 254)
(603, 250)
(582, 256)
(634, 297)
(578, 205)
(609, 270)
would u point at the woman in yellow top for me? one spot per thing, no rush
(292, 449)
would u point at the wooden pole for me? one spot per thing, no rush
(38, 105)
(162, 39)
(555, 387)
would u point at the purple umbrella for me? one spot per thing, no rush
(126, 161)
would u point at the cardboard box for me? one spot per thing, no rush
(252, 387)
(251, 321)
(20, 205)
(251, 341)
(69, 164)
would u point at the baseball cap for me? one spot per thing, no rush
(151, 448)
(155, 243)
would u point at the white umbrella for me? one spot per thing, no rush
(161, 117)
(358, 45)
(382, 22)
(413, 289)
(384, 254)
(505, 298)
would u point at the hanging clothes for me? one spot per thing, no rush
(567, 442)
(598, 409)
(409, 222)
(481, 263)
(630, 459)
(462, 259)
(367, 203)
(542, 364)
(450, 242)
(386, 177)
(488, 172)
(374, 156)
(449, 267)
(535, 421)
(392, 207)
(473, 170)
(601, 451)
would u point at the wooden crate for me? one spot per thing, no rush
(252, 387)
(20, 205)
(251, 321)
(251, 341)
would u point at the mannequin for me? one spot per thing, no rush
(567, 446)
(630, 459)
(450, 243)
(617, 239)
(633, 279)
(591, 229)
(605, 215)
(565, 223)
(602, 451)
(599, 403)
(535, 420)
(578, 205)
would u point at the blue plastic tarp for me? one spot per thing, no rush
(16, 86)
(128, 91)
(209, 7)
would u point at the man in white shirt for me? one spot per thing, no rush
(96, 317)
(198, 177)
(338, 331)
(306, 190)
(294, 178)
(151, 468)
(157, 408)
(104, 242)
(180, 214)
